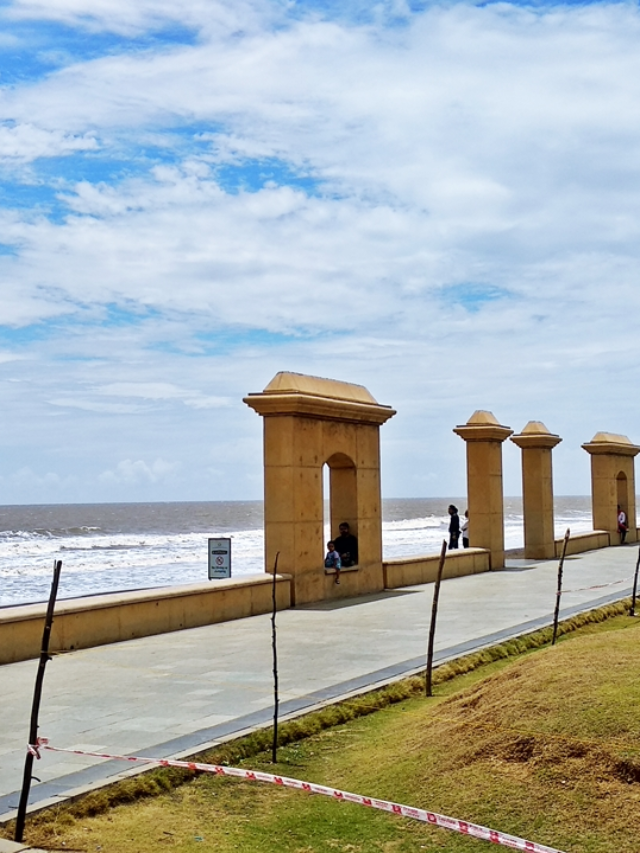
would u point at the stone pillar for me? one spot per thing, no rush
(484, 436)
(536, 443)
(308, 422)
(612, 483)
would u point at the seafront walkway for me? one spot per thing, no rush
(174, 694)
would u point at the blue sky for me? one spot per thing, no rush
(438, 201)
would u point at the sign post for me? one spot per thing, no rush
(219, 559)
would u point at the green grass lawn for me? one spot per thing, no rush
(546, 746)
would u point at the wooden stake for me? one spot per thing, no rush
(632, 612)
(434, 613)
(35, 706)
(274, 747)
(556, 612)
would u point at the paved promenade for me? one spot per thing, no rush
(174, 694)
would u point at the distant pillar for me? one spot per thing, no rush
(484, 436)
(536, 443)
(612, 482)
(309, 422)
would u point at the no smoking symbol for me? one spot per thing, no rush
(219, 561)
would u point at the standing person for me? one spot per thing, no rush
(332, 560)
(464, 528)
(347, 545)
(622, 524)
(454, 527)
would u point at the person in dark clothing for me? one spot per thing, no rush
(347, 546)
(454, 527)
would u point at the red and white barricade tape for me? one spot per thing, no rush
(452, 823)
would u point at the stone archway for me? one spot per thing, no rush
(612, 482)
(309, 421)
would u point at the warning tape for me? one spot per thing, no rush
(462, 826)
(597, 586)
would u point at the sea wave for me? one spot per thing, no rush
(45, 533)
(411, 524)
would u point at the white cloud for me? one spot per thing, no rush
(130, 472)
(163, 391)
(129, 18)
(27, 479)
(445, 167)
(6, 357)
(93, 405)
(208, 402)
(474, 147)
(148, 391)
(28, 142)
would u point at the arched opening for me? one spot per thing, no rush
(342, 493)
(622, 493)
(327, 533)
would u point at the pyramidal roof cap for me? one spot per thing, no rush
(481, 416)
(535, 428)
(286, 382)
(610, 438)
(604, 443)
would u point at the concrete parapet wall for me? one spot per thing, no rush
(581, 542)
(415, 570)
(85, 622)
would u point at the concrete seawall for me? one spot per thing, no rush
(415, 570)
(85, 622)
(582, 542)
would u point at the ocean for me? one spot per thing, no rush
(113, 547)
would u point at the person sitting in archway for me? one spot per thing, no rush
(347, 546)
(332, 560)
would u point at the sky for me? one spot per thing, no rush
(439, 201)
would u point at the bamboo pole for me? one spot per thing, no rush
(434, 613)
(35, 706)
(556, 613)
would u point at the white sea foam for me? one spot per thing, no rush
(114, 562)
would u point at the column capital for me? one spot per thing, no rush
(535, 434)
(610, 444)
(483, 426)
(314, 397)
